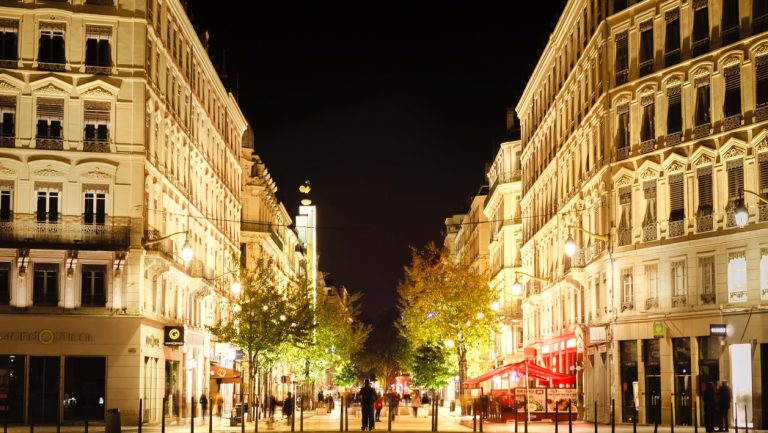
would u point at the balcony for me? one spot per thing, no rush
(676, 228)
(740, 296)
(674, 138)
(98, 70)
(577, 261)
(627, 305)
(732, 122)
(650, 232)
(761, 113)
(679, 301)
(651, 303)
(646, 67)
(198, 269)
(672, 57)
(48, 66)
(532, 288)
(96, 146)
(730, 218)
(707, 298)
(622, 153)
(7, 142)
(730, 35)
(700, 47)
(259, 227)
(703, 130)
(164, 247)
(622, 76)
(625, 236)
(704, 223)
(67, 233)
(8, 63)
(762, 212)
(648, 146)
(759, 24)
(49, 143)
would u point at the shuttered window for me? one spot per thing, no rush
(622, 132)
(702, 103)
(9, 38)
(763, 169)
(97, 51)
(50, 117)
(732, 101)
(704, 178)
(649, 191)
(96, 120)
(7, 116)
(674, 110)
(672, 37)
(700, 27)
(51, 44)
(647, 130)
(735, 170)
(761, 72)
(646, 47)
(625, 200)
(730, 21)
(676, 197)
(622, 57)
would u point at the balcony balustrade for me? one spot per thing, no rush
(49, 143)
(704, 223)
(648, 146)
(96, 146)
(676, 228)
(625, 236)
(703, 130)
(650, 232)
(69, 232)
(732, 122)
(674, 138)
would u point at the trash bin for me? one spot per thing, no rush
(453, 405)
(237, 415)
(112, 421)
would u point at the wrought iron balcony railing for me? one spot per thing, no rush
(650, 232)
(676, 228)
(96, 146)
(704, 223)
(703, 130)
(648, 146)
(7, 142)
(732, 122)
(49, 143)
(68, 231)
(49, 66)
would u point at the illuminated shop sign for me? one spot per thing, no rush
(717, 330)
(174, 336)
(45, 336)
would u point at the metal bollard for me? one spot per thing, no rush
(192, 416)
(32, 424)
(634, 419)
(346, 417)
(557, 414)
(595, 416)
(746, 420)
(341, 414)
(474, 416)
(86, 418)
(210, 417)
(58, 423)
(656, 416)
(141, 413)
(525, 413)
(482, 414)
(389, 414)
(735, 418)
(514, 410)
(613, 416)
(162, 419)
(301, 414)
(695, 418)
(255, 421)
(570, 421)
(672, 415)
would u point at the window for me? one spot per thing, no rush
(647, 131)
(93, 286)
(730, 22)
(678, 278)
(94, 207)
(764, 274)
(676, 197)
(46, 284)
(700, 27)
(9, 42)
(735, 170)
(761, 78)
(672, 38)
(762, 166)
(97, 50)
(759, 16)
(674, 111)
(96, 120)
(646, 47)
(51, 48)
(649, 221)
(6, 202)
(7, 117)
(625, 223)
(622, 58)
(622, 125)
(732, 100)
(651, 285)
(5, 283)
(707, 283)
(627, 289)
(50, 117)
(702, 101)
(704, 178)
(48, 205)
(737, 277)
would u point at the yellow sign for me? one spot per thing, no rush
(658, 329)
(45, 336)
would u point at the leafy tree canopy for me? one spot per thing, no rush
(430, 366)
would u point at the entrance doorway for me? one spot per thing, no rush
(652, 362)
(44, 378)
(628, 379)
(682, 359)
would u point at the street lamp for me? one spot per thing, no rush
(570, 244)
(186, 249)
(741, 213)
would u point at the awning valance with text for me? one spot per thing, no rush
(226, 375)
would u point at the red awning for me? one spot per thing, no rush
(226, 375)
(491, 373)
(526, 367)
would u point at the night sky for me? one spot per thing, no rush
(391, 109)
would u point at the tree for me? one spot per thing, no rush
(445, 302)
(430, 366)
(271, 311)
(385, 353)
(346, 375)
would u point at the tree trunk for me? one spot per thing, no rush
(462, 352)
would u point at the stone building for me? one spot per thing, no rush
(120, 185)
(643, 131)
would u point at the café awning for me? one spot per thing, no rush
(526, 367)
(488, 375)
(226, 375)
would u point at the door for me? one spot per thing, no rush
(44, 378)
(652, 361)
(683, 386)
(764, 380)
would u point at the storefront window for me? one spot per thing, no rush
(12, 388)
(682, 359)
(172, 387)
(652, 363)
(84, 390)
(44, 378)
(628, 379)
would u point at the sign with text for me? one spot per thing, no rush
(717, 330)
(658, 329)
(174, 336)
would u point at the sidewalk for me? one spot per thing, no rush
(325, 422)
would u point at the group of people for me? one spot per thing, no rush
(717, 402)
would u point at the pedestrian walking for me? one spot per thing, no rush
(723, 405)
(288, 407)
(708, 395)
(220, 404)
(367, 399)
(272, 404)
(377, 406)
(204, 404)
(415, 402)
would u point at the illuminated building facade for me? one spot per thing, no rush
(119, 155)
(643, 124)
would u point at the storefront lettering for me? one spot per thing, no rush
(46, 336)
(152, 341)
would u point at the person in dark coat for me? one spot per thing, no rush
(723, 405)
(204, 405)
(288, 406)
(367, 398)
(708, 396)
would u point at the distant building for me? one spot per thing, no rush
(119, 148)
(643, 131)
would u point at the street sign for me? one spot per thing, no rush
(658, 329)
(173, 336)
